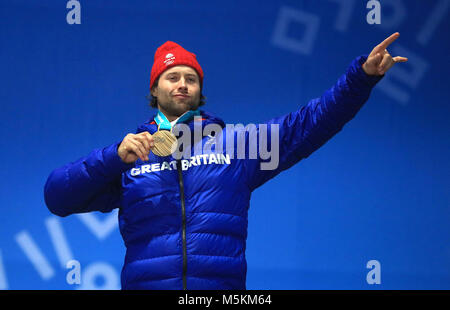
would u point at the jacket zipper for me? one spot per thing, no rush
(183, 216)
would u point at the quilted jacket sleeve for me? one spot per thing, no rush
(91, 183)
(304, 131)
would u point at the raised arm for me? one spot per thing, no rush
(304, 131)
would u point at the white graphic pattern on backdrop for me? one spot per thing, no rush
(401, 82)
(90, 273)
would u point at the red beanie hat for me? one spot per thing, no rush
(171, 54)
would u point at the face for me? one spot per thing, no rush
(178, 91)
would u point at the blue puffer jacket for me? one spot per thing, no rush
(184, 222)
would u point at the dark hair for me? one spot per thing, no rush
(153, 103)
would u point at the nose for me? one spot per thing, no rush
(182, 87)
(182, 84)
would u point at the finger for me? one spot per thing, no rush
(374, 60)
(383, 45)
(142, 148)
(147, 137)
(150, 139)
(385, 63)
(400, 59)
(144, 142)
(133, 148)
(137, 148)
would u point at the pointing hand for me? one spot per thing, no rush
(379, 60)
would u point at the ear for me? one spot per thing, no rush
(154, 92)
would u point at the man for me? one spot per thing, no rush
(184, 221)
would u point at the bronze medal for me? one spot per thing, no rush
(165, 143)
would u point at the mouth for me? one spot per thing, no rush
(181, 96)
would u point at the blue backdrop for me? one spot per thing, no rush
(379, 190)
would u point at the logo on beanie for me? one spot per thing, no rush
(169, 59)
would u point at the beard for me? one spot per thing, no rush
(175, 106)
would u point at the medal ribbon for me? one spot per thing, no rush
(164, 124)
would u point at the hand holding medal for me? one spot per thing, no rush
(135, 146)
(161, 143)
